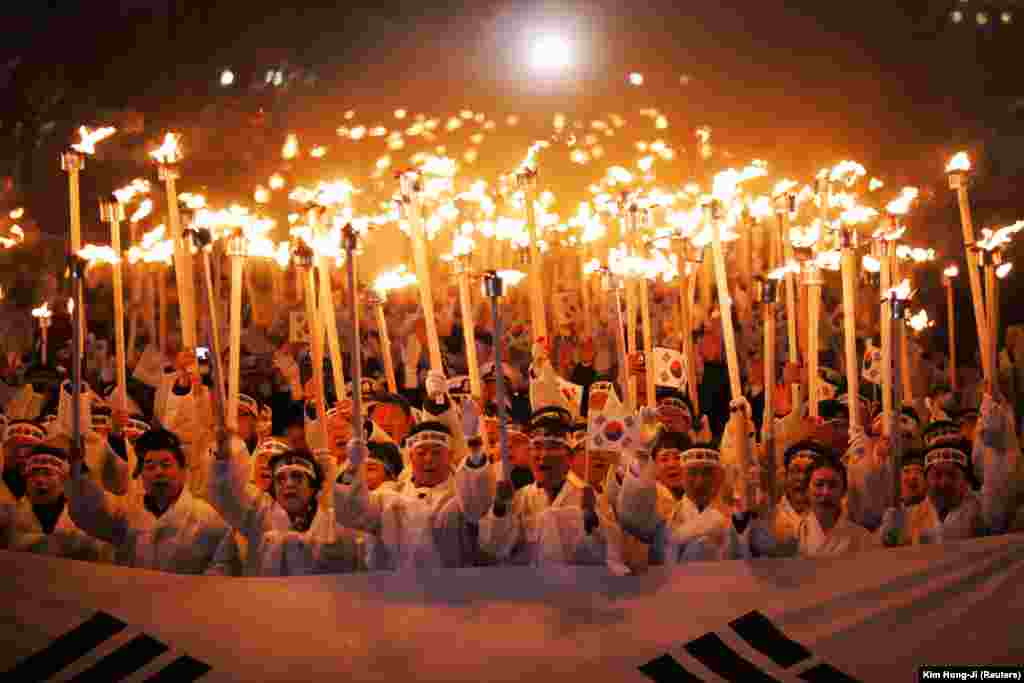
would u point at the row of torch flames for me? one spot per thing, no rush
(663, 236)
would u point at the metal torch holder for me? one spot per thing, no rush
(72, 160)
(111, 211)
(958, 179)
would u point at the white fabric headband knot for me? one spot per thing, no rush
(295, 464)
(701, 456)
(429, 437)
(941, 455)
(47, 462)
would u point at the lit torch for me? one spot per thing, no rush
(168, 156)
(958, 170)
(385, 283)
(948, 275)
(45, 317)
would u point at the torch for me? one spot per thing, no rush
(848, 245)
(609, 282)
(526, 180)
(785, 207)
(302, 255)
(462, 251)
(493, 285)
(168, 158)
(381, 286)
(958, 170)
(412, 200)
(948, 275)
(203, 241)
(897, 299)
(991, 250)
(348, 234)
(724, 300)
(237, 250)
(72, 162)
(332, 194)
(45, 317)
(112, 212)
(77, 267)
(768, 293)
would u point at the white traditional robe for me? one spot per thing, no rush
(188, 538)
(538, 531)
(921, 523)
(420, 527)
(686, 534)
(273, 547)
(23, 532)
(843, 538)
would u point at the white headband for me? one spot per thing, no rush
(701, 456)
(428, 437)
(101, 420)
(49, 462)
(941, 455)
(295, 464)
(135, 426)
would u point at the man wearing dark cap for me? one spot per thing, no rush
(553, 520)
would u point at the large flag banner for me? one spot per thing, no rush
(880, 616)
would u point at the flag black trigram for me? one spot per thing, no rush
(126, 660)
(716, 655)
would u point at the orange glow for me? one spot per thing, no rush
(960, 163)
(169, 152)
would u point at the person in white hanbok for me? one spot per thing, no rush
(166, 528)
(428, 520)
(699, 526)
(40, 522)
(554, 520)
(953, 510)
(288, 531)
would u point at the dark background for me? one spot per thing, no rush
(799, 83)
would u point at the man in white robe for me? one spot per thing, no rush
(426, 521)
(288, 531)
(165, 529)
(40, 522)
(554, 519)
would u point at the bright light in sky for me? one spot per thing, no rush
(550, 52)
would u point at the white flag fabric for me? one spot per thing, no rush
(878, 616)
(669, 368)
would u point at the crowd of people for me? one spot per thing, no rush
(587, 479)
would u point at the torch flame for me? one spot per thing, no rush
(919, 321)
(394, 279)
(992, 240)
(169, 152)
(131, 190)
(960, 163)
(89, 138)
(951, 271)
(291, 147)
(16, 214)
(145, 208)
(902, 292)
(783, 187)
(846, 172)
(1003, 270)
(71, 306)
(804, 238)
(781, 272)
(871, 264)
(901, 205)
(94, 253)
(43, 311)
(875, 184)
(511, 277)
